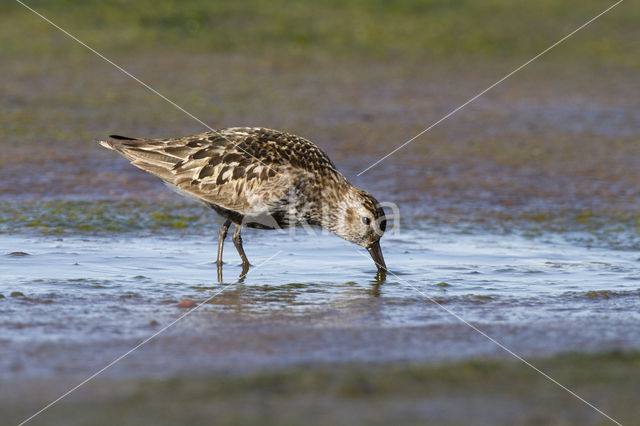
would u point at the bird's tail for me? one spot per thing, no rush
(112, 144)
(147, 154)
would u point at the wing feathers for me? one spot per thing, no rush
(153, 156)
(209, 167)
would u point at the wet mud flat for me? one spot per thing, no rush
(556, 138)
(521, 214)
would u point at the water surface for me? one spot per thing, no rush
(73, 302)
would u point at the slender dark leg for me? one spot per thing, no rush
(219, 267)
(237, 241)
(243, 274)
(222, 234)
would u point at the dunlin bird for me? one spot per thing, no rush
(260, 178)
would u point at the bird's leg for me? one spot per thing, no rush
(222, 234)
(219, 267)
(243, 274)
(237, 241)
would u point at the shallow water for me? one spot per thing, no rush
(73, 303)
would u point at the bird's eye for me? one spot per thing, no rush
(366, 220)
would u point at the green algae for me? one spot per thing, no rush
(615, 229)
(101, 217)
(584, 216)
(294, 286)
(618, 229)
(481, 297)
(600, 294)
(164, 219)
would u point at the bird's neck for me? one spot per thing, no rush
(334, 211)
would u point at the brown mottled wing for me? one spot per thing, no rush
(247, 170)
(285, 149)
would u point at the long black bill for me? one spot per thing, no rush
(376, 254)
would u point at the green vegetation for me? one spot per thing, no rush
(497, 392)
(616, 229)
(604, 294)
(102, 217)
(611, 228)
(378, 28)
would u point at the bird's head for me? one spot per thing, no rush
(360, 219)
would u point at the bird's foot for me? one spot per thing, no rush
(381, 276)
(245, 268)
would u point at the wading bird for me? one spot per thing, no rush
(260, 178)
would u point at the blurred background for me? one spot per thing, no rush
(545, 165)
(358, 79)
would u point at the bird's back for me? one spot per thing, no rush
(243, 169)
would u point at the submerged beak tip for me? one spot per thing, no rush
(376, 254)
